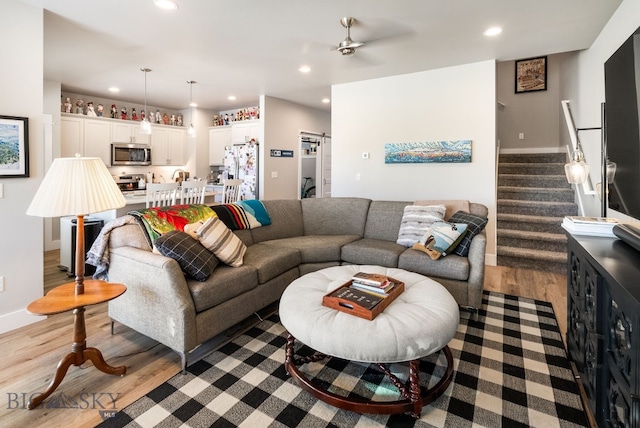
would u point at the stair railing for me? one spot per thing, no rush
(587, 186)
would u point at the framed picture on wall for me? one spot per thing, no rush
(531, 75)
(14, 146)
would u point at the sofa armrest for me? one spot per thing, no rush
(157, 302)
(476, 267)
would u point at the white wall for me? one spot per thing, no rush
(525, 112)
(590, 89)
(283, 121)
(454, 103)
(21, 86)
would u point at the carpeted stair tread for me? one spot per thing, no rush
(540, 255)
(530, 168)
(529, 218)
(536, 193)
(533, 158)
(539, 236)
(529, 180)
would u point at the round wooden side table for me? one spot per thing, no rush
(63, 299)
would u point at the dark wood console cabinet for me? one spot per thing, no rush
(603, 311)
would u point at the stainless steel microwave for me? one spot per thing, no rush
(130, 154)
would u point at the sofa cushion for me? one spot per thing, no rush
(316, 248)
(225, 283)
(194, 259)
(452, 266)
(286, 221)
(334, 216)
(451, 205)
(416, 220)
(476, 224)
(217, 237)
(383, 220)
(270, 260)
(372, 252)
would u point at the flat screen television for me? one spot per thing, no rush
(622, 125)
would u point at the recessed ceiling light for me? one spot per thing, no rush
(493, 31)
(166, 4)
(113, 89)
(304, 69)
(326, 100)
(231, 97)
(193, 104)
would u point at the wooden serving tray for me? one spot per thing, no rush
(350, 307)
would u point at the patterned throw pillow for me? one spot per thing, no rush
(219, 239)
(475, 225)
(195, 260)
(416, 220)
(441, 239)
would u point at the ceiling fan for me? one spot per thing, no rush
(348, 47)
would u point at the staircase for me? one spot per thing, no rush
(533, 198)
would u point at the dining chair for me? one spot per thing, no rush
(231, 191)
(161, 194)
(193, 192)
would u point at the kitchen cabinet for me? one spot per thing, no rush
(244, 131)
(603, 318)
(90, 138)
(219, 138)
(128, 132)
(168, 146)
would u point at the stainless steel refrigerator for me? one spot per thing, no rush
(242, 161)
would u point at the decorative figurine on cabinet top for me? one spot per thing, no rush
(90, 111)
(123, 113)
(142, 114)
(79, 106)
(179, 120)
(172, 121)
(100, 111)
(165, 119)
(67, 105)
(114, 111)
(134, 115)
(158, 116)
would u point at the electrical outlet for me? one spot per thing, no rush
(274, 174)
(365, 155)
(1, 284)
(521, 135)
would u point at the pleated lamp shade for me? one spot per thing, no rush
(76, 186)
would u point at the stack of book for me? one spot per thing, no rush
(593, 226)
(374, 283)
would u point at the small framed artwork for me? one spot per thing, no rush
(14, 146)
(531, 75)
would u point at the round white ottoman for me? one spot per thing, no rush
(418, 323)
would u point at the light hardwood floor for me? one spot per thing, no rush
(30, 354)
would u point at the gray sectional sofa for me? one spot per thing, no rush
(304, 236)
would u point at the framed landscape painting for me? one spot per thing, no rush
(531, 75)
(14, 146)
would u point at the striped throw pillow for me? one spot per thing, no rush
(416, 220)
(221, 241)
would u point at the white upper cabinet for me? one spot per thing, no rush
(90, 138)
(244, 131)
(168, 146)
(219, 138)
(128, 132)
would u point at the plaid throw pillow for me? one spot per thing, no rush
(475, 224)
(195, 260)
(219, 239)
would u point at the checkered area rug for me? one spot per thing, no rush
(510, 370)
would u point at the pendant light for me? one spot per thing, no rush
(577, 170)
(145, 125)
(191, 131)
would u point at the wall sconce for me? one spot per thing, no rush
(577, 170)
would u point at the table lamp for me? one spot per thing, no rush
(76, 186)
